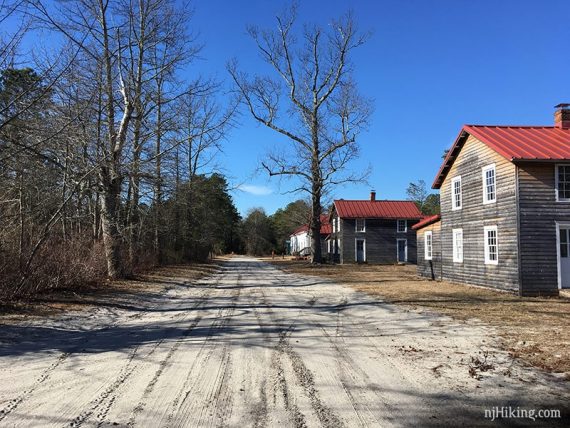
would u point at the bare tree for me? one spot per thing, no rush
(93, 151)
(122, 38)
(313, 103)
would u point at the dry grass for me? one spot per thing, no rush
(536, 330)
(116, 293)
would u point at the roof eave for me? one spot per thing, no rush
(539, 160)
(449, 159)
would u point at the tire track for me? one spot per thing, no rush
(221, 393)
(105, 400)
(44, 376)
(63, 357)
(180, 406)
(305, 378)
(111, 392)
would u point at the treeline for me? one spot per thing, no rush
(107, 154)
(261, 233)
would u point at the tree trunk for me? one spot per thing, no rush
(316, 257)
(111, 235)
(158, 178)
(133, 208)
(316, 190)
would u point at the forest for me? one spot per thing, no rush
(109, 146)
(107, 155)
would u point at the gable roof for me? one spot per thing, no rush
(326, 227)
(377, 209)
(426, 221)
(514, 143)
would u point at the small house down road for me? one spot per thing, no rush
(254, 346)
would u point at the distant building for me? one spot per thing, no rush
(505, 209)
(373, 231)
(300, 239)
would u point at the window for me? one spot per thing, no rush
(456, 193)
(489, 185)
(360, 225)
(563, 183)
(491, 245)
(458, 245)
(334, 225)
(402, 225)
(428, 245)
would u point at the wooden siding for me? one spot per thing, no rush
(381, 244)
(539, 213)
(430, 268)
(335, 256)
(475, 215)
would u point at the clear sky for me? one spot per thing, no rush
(430, 67)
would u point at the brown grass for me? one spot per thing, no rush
(536, 330)
(116, 293)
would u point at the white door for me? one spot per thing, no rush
(565, 256)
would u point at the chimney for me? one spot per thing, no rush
(373, 195)
(562, 116)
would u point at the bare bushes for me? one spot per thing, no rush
(58, 264)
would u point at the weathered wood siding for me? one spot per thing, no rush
(539, 213)
(380, 236)
(430, 268)
(335, 255)
(475, 215)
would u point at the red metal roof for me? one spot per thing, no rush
(426, 221)
(326, 227)
(515, 143)
(377, 209)
(301, 229)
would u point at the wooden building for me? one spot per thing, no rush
(373, 231)
(505, 209)
(300, 240)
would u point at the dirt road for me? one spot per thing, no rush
(253, 346)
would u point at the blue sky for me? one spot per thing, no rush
(430, 67)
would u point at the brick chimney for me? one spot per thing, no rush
(562, 116)
(373, 195)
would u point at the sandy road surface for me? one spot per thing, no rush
(253, 346)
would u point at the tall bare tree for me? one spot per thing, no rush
(121, 39)
(313, 103)
(91, 144)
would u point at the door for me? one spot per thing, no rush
(360, 251)
(402, 250)
(564, 256)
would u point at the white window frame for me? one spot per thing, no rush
(457, 257)
(428, 255)
(405, 226)
(486, 245)
(363, 220)
(484, 170)
(559, 225)
(356, 248)
(556, 182)
(455, 207)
